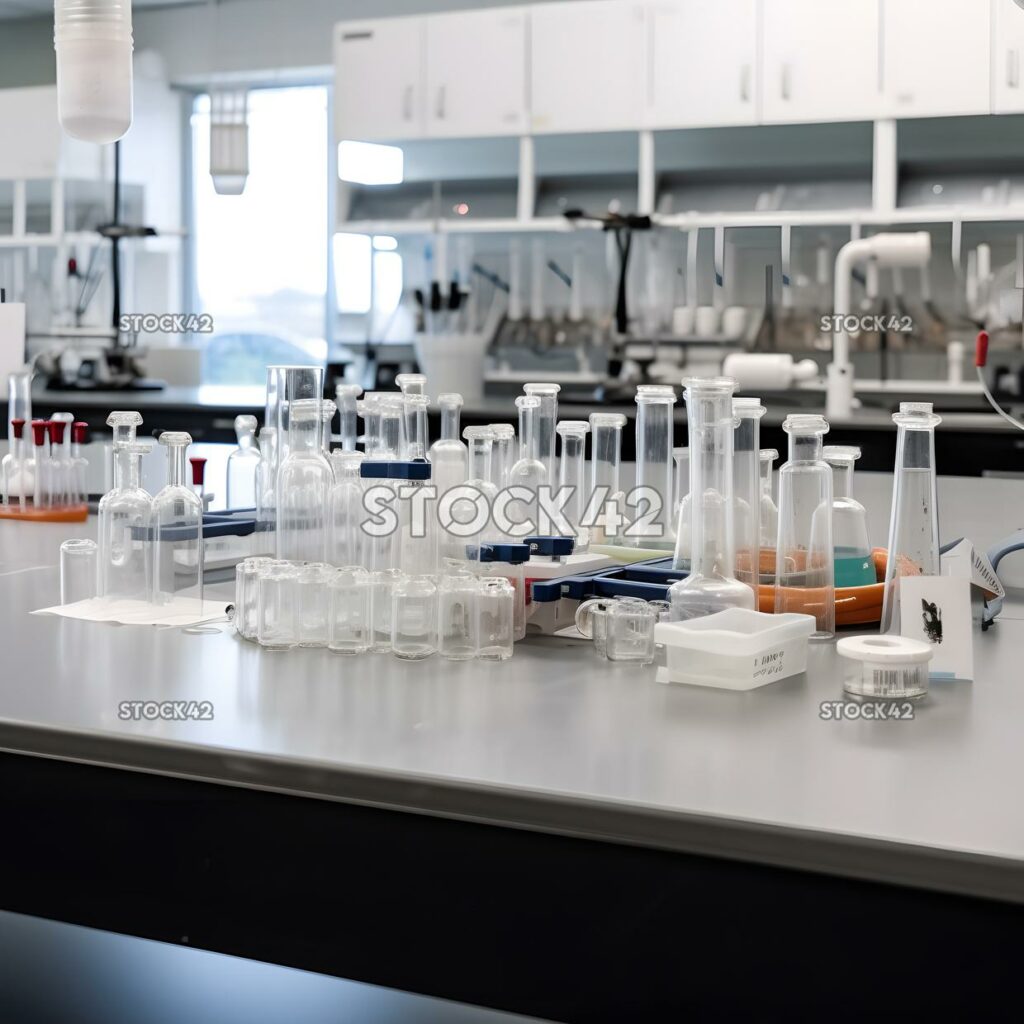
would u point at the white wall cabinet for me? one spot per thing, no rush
(476, 73)
(379, 79)
(588, 70)
(1007, 57)
(937, 57)
(702, 56)
(820, 60)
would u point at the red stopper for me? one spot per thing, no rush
(55, 428)
(79, 430)
(18, 427)
(198, 470)
(981, 349)
(39, 432)
(72, 267)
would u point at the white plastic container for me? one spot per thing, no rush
(889, 667)
(735, 649)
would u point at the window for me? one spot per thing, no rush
(260, 258)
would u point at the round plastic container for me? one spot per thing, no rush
(79, 560)
(891, 667)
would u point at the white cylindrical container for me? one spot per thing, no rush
(892, 667)
(93, 40)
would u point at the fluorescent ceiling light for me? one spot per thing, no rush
(367, 163)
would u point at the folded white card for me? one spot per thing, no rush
(182, 611)
(937, 610)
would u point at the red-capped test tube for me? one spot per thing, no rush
(79, 464)
(198, 464)
(58, 485)
(13, 466)
(42, 459)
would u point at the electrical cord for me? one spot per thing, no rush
(980, 358)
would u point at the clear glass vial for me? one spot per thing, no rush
(746, 482)
(629, 629)
(914, 520)
(177, 527)
(124, 529)
(769, 510)
(79, 565)
(243, 465)
(346, 397)
(854, 566)
(380, 588)
(303, 485)
(711, 585)
(529, 471)
(246, 616)
(495, 618)
(654, 429)
(349, 611)
(414, 618)
(804, 570)
(605, 468)
(311, 603)
(345, 510)
(572, 473)
(457, 635)
(277, 617)
(547, 417)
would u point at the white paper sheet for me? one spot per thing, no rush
(182, 611)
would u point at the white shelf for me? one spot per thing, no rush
(450, 226)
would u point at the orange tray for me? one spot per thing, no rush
(71, 514)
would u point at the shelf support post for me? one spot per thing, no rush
(885, 167)
(526, 199)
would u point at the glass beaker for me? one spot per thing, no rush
(914, 519)
(125, 514)
(277, 621)
(629, 629)
(345, 509)
(654, 430)
(414, 618)
(804, 570)
(711, 585)
(303, 485)
(457, 616)
(349, 611)
(177, 527)
(746, 479)
(769, 510)
(572, 473)
(605, 463)
(78, 570)
(243, 466)
(854, 566)
(547, 417)
(495, 619)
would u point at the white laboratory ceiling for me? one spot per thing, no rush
(37, 8)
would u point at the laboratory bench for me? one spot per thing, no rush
(552, 836)
(967, 444)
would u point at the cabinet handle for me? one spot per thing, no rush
(786, 75)
(1012, 69)
(439, 109)
(745, 83)
(407, 103)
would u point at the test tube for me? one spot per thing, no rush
(41, 459)
(654, 429)
(417, 434)
(573, 474)
(503, 454)
(19, 467)
(266, 478)
(605, 462)
(711, 585)
(79, 567)
(60, 470)
(345, 397)
(391, 428)
(449, 463)
(769, 510)
(369, 411)
(914, 519)
(746, 465)
(547, 417)
(15, 477)
(804, 570)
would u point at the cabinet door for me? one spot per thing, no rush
(378, 79)
(1007, 54)
(476, 73)
(703, 58)
(820, 60)
(587, 66)
(937, 57)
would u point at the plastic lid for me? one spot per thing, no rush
(175, 438)
(18, 426)
(417, 469)
(710, 385)
(55, 428)
(124, 419)
(804, 423)
(374, 470)
(841, 453)
(552, 546)
(79, 432)
(572, 427)
(769, 454)
(514, 554)
(748, 408)
(198, 469)
(607, 419)
(542, 389)
(39, 432)
(655, 392)
(503, 431)
(893, 650)
(478, 433)
(450, 399)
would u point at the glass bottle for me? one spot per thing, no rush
(503, 454)
(125, 512)
(414, 618)
(349, 611)
(712, 585)
(605, 465)
(769, 510)
(277, 618)
(547, 417)
(243, 465)
(457, 616)
(449, 463)
(746, 476)
(914, 520)
(804, 571)
(380, 589)
(303, 485)
(266, 481)
(177, 527)
(654, 429)
(481, 446)
(391, 428)
(311, 603)
(494, 619)
(854, 566)
(345, 509)
(529, 471)
(572, 473)
(346, 396)
(290, 385)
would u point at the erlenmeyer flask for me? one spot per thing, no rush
(854, 566)
(804, 572)
(914, 522)
(712, 585)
